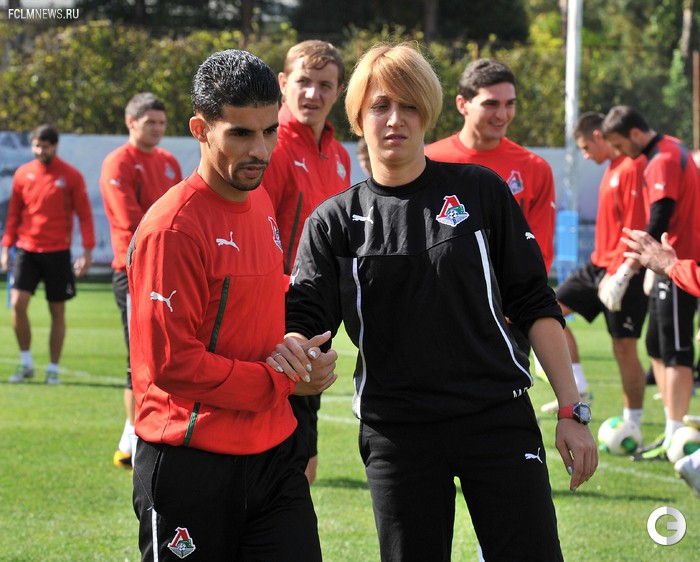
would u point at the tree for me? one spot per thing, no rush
(629, 59)
(74, 78)
(180, 17)
(81, 75)
(431, 9)
(505, 20)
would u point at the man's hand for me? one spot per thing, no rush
(613, 287)
(5, 259)
(647, 251)
(83, 263)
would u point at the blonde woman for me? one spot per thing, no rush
(423, 262)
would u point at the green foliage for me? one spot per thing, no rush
(63, 501)
(76, 78)
(81, 76)
(678, 94)
(539, 69)
(628, 58)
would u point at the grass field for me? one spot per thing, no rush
(62, 500)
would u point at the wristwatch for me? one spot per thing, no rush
(580, 412)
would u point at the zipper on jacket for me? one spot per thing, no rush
(288, 262)
(211, 348)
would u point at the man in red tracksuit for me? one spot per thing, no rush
(486, 98)
(620, 204)
(672, 192)
(46, 193)
(133, 177)
(218, 469)
(307, 166)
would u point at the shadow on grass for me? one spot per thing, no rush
(93, 384)
(609, 496)
(346, 483)
(66, 383)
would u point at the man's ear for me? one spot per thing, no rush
(282, 81)
(461, 103)
(129, 120)
(199, 128)
(636, 135)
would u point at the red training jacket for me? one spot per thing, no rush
(43, 201)
(301, 175)
(130, 182)
(620, 204)
(207, 289)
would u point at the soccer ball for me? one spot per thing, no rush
(619, 436)
(685, 441)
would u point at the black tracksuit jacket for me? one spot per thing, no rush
(423, 276)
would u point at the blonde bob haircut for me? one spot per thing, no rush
(403, 74)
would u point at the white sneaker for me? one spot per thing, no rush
(553, 406)
(52, 377)
(684, 470)
(21, 374)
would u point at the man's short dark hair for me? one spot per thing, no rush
(589, 122)
(141, 103)
(621, 119)
(483, 73)
(234, 78)
(47, 133)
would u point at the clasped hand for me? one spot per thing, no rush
(302, 361)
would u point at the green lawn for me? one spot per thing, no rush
(62, 500)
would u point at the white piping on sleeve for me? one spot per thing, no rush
(489, 295)
(357, 397)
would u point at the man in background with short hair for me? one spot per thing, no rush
(134, 176)
(620, 205)
(486, 99)
(46, 193)
(672, 188)
(308, 166)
